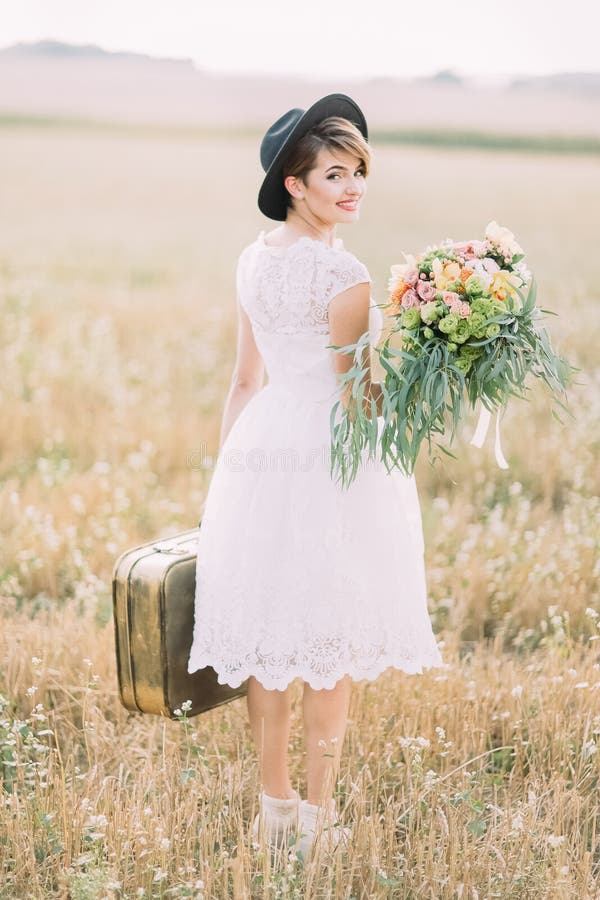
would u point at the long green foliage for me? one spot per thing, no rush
(426, 389)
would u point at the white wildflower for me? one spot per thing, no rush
(588, 749)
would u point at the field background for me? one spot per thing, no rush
(117, 322)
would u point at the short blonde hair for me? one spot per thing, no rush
(333, 133)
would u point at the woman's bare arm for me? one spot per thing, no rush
(248, 374)
(348, 321)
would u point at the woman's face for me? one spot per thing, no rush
(335, 187)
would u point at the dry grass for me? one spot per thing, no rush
(118, 331)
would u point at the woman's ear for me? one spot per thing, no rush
(294, 186)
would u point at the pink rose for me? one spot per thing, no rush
(426, 291)
(464, 310)
(410, 277)
(410, 299)
(450, 298)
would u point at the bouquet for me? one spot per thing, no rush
(470, 331)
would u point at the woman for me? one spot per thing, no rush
(297, 577)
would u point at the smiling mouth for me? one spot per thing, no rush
(349, 204)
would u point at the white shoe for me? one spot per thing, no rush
(317, 826)
(279, 818)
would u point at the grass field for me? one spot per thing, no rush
(117, 265)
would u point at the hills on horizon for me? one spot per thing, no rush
(54, 78)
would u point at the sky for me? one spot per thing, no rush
(355, 39)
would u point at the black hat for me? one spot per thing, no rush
(283, 134)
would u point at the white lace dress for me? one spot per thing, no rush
(296, 576)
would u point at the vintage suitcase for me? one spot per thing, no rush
(153, 604)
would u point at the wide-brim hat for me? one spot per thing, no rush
(284, 133)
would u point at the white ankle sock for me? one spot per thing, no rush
(279, 804)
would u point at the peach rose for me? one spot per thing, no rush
(450, 298)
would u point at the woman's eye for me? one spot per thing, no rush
(358, 172)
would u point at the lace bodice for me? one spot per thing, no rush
(286, 292)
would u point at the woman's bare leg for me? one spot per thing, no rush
(269, 714)
(325, 714)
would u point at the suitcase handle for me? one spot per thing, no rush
(169, 547)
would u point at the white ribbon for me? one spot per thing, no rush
(478, 438)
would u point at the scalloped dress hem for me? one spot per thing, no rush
(317, 683)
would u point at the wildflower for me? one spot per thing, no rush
(588, 749)
(516, 822)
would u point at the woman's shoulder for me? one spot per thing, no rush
(331, 260)
(276, 241)
(301, 247)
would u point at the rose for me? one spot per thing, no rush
(477, 325)
(428, 332)
(430, 313)
(492, 330)
(463, 364)
(411, 318)
(426, 290)
(448, 323)
(484, 306)
(411, 277)
(452, 346)
(450, 297)
(475, 285)
(410, 299)
(461, 332)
